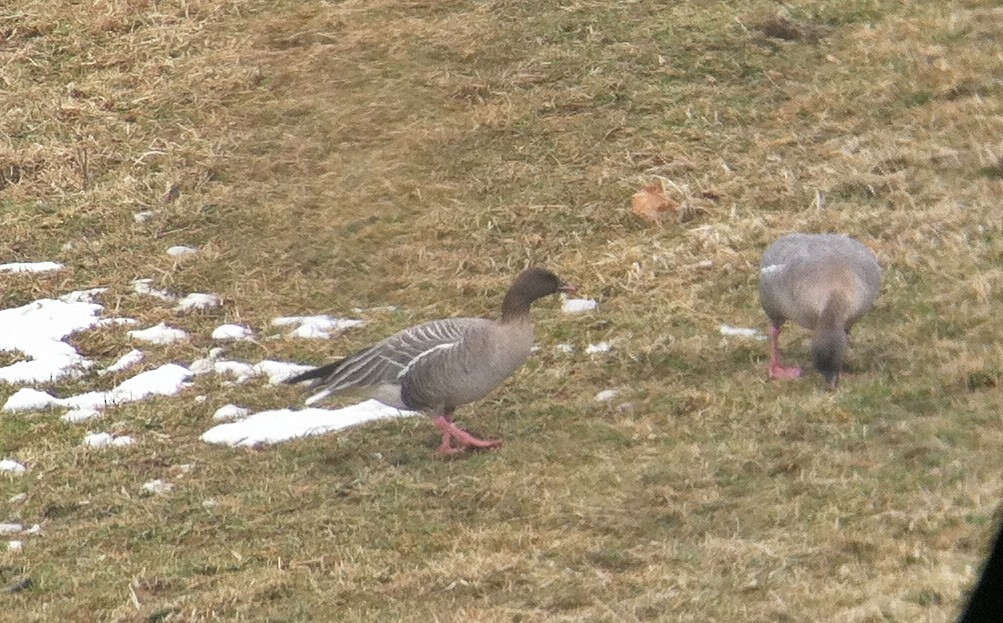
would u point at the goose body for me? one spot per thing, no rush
(823, 282)
(442, 364)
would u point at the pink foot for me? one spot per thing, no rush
(779, 372)
(465, 441)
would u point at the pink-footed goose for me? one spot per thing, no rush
(439, 365)
(823, 282)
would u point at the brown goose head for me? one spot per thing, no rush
(532, 284)
(828, 349)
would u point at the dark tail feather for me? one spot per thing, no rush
(317, 373)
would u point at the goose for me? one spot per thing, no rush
(439, 365)
(823, 282)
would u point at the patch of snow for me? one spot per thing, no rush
(167, 380)
(80, 415)
(283, 424)
(30, 267)
(28, 399)
(145, 286)
(232, 332)
(741, 332)
(34, 529)
(564, 348)
(17, 499)
(316, 326)
(280, 371)
(158, 334)
(15, 546)
(37, 330)
(142, 217)
(82, 296)
(198, 300)
(124, 440)
(230, 412)
(606, 395)
(181, 250)
(10, 528)
(578, 306)
(241, 372)
(157, 487)
(98, 440)
(13, 467)
(601, 347)
(127, 360)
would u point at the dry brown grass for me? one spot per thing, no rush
(326, 156)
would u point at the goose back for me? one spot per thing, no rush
(802, 273)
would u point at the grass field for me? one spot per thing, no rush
(325, 156)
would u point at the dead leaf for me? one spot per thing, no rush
(652, 204)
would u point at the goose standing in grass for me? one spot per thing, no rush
(823, 282)
(442, 364)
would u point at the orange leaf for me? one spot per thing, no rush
(651, 203)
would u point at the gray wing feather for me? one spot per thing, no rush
(386, 361)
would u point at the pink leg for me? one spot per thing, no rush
(776, 369)
(465, 440)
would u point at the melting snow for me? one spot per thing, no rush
(158, 334)
(564, 348)
(80, 415)
(127, 360)
(157, 487)
(284, 424)
(230, 412)
(13, 467)
(10, 528)
(741, 332)
(167, 380)
(30, 267)
(606, 394)
(232, 332)
(316, 326)
(145, 286)
(601, 347)
(15, 546)
(103, 440)
(577, 306)
(197, 300)
(181, 250)
(37, 330)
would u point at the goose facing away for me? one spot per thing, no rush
(439, 365)
(823, 282)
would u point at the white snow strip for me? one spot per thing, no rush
(232, 332)
(80, 415)
(741, 332)
(284, 424)
(82, 296)
(167, 380)
(103, 440)
(198, 300)
(578, 306)
(279, 371)
(37, 330)
(13, 467)
(230, 412)
(316, 327)
(240, 371)
(30, 267)
(10, 528)
(158, 334)
(601, 347)
(181, 250)
(15, 546)
(145, 286)
(564, 348)
(127, 360)
(606, 395)
(157, 487)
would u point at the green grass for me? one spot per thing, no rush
(340, 155)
